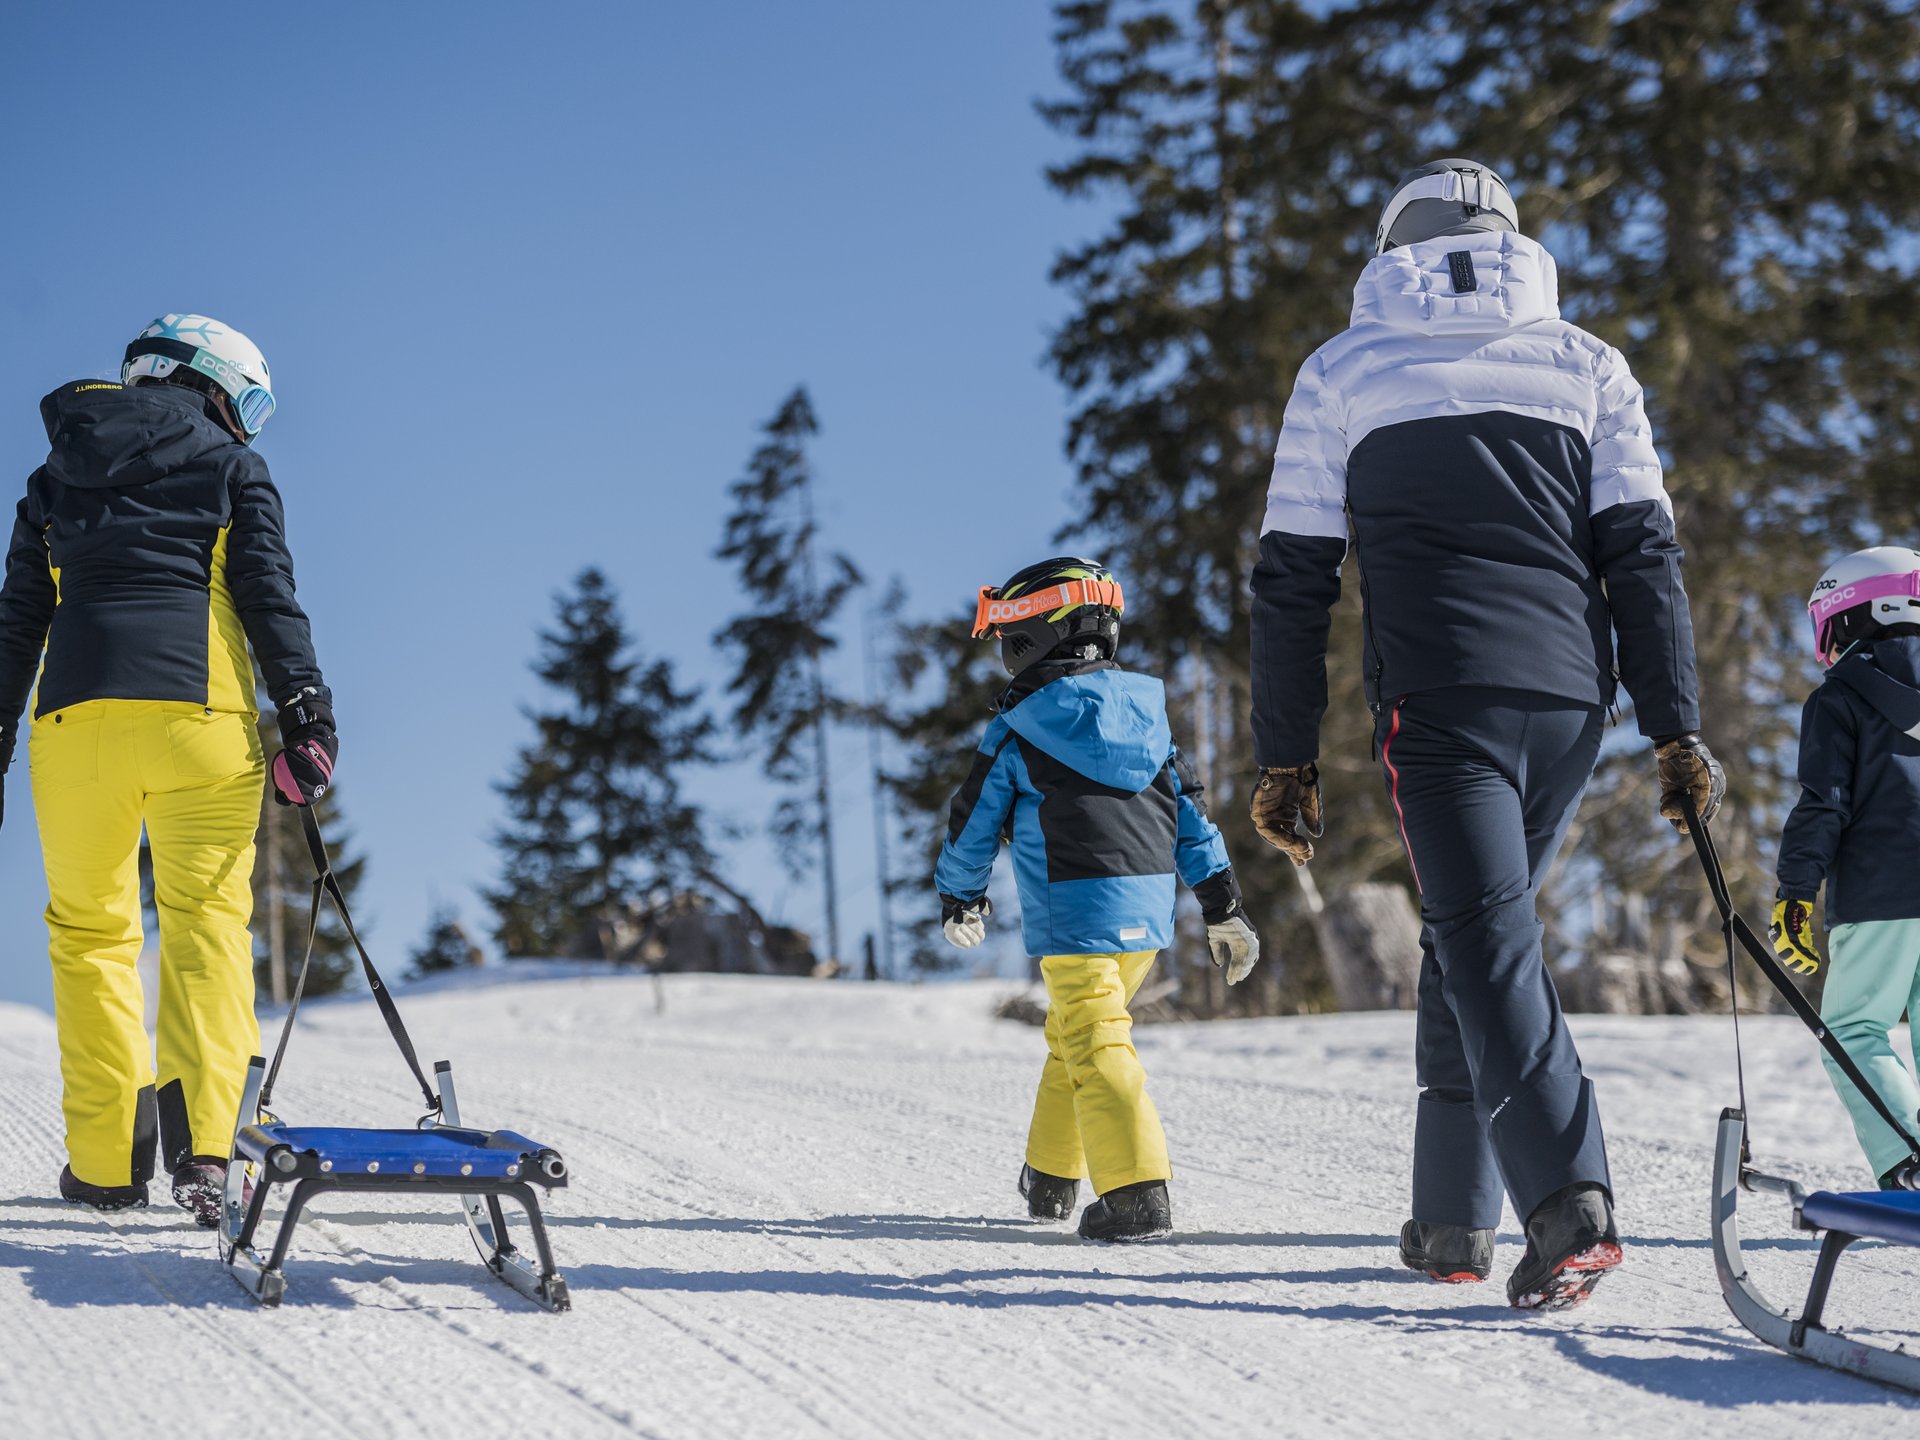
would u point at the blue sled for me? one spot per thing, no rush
(478, 1167)
(1889, 1215)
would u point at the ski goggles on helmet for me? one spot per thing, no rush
(1475, 189)
(252, 402)
(993, 611)
(1823, 610)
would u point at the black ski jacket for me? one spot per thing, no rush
(147, 554)
(1856, 825)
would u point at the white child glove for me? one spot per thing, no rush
(1235, 946)
(965, 921)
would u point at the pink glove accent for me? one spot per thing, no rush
(315, 755)
(284, 782)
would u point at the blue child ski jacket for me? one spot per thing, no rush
(1082, 777)
(1856, 825)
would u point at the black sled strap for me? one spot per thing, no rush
(1735, 928)
(325, 883)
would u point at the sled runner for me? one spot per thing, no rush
(1842, 1218)
(480, 1168)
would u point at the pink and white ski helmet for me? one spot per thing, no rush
(1867, 589)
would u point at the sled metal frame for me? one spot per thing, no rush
(1804, 1336)
(273, 1162)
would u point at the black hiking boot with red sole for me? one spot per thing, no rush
(1571, 1245)
(1451, 1254)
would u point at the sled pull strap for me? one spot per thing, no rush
(325, 883)
(1738, 929)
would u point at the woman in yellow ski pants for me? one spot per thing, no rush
(195, 777)
(148, 565)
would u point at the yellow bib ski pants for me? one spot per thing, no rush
(1092, 1115)
(194, 777)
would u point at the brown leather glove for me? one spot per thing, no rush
(1687, 767)
(1286, 802)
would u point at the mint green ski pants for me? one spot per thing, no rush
(1873, 975)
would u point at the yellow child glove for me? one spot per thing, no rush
(1792, 936)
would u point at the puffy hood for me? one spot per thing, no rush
(108, 436)
(1887, 676)
(1110, 726)
(1412, 288)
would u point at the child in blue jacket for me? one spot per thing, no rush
(1856, 829)
(1079, 773)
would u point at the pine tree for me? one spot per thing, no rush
(1728, 191)
(1245, 145)
(283, 893)
(597, 821)
(782, 698)
(1724, 187)
(959, 677)
(446, 947)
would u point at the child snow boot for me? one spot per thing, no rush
(1571, 1243)
(1452, 1254)
(1048, 1197)
(76, 1191)
(1133, 1212)
(199, 1188)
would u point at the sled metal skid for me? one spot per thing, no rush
(1805, 1335)
(477, 1168)
(488, 1224)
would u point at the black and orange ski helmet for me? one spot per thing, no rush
(1059, 602)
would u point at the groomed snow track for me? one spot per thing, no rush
(792, 1214)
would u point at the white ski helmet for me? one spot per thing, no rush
(1858, 595)
(221, 353)
(1444, 197)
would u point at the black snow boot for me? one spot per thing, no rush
(1133, 1212)
(1048, 1197)
(200, 1188)
(1452, 1254)
(76, 1191)
(1571, 1243)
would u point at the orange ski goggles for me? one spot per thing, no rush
(992, 611)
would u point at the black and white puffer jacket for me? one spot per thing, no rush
(1499, 476)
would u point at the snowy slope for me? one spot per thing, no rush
(793, 1216)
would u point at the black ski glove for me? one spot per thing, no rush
(1687, 767)
(303, 770)
(7, 734)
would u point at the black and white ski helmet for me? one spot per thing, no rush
(1445, 197)
(1058, 602)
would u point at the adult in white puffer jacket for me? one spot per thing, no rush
(1496, 469)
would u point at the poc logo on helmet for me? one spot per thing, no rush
(1001, 611)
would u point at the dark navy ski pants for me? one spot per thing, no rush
(1484, 783)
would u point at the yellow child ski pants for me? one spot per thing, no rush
(195, 778)
(1092, 1115)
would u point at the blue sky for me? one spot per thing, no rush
(529, 278)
